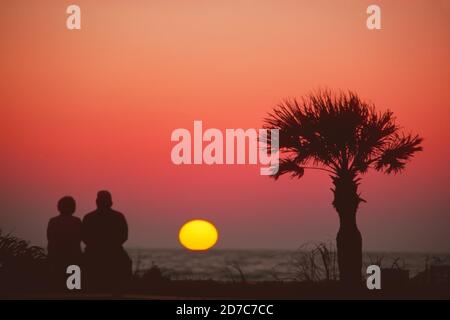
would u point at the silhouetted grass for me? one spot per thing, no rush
(316, 262)
(15, 249)
(22, 266)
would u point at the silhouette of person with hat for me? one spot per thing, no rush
(107, 267)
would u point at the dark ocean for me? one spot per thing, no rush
(260, 265)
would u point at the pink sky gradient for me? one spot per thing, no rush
(94, 109)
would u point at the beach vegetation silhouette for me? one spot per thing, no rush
(345, 137)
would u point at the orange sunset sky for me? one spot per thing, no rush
(92, 109)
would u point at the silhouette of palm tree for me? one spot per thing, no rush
(344, 136)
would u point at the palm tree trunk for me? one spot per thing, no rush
(348, 240)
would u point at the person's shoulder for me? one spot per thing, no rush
(89, 215)
(75, 219)
(53, 219)
(118, 214)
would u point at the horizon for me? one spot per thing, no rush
(277, 249)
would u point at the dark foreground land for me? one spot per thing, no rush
(291, 290)
(208, 289)
(25, 274)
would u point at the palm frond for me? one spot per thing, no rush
(289, 166)
(397, 153)
(338, 132)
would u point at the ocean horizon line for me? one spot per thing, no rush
(278, 250)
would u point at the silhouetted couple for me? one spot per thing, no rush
(105, 265)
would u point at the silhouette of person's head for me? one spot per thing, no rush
(66, 205)
(104, 200)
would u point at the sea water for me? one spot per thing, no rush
(259, 265)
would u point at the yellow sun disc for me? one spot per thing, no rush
(198, 235)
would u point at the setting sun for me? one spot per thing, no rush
(198, 235)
